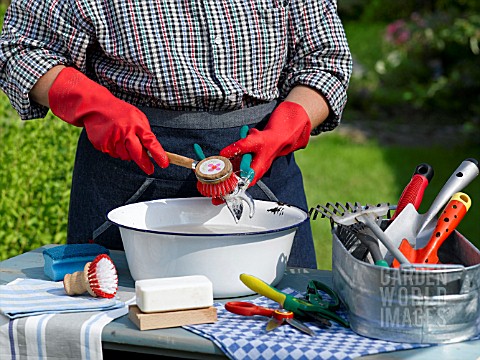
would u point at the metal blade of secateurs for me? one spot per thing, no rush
(273, 324)
(300, 326)
(235, 205)
(234, 201)
(322, 321)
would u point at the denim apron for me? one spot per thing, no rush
(102, 183)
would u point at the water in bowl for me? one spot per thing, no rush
(210, 229)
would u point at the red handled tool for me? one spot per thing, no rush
(277, 316)
(413, 192)
(451, 216)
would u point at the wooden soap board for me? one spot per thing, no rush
(168, 319)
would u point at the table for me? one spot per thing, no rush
(122, 334)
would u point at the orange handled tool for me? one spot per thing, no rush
(277, 316)
(248, 309)
(453, 213)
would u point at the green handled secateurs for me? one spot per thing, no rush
(313, 306)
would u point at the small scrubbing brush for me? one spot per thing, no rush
(215, 177)
(99, 278)
(215, 174)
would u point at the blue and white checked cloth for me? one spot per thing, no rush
(39, 321)
(244, 337)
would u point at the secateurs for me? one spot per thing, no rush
(236, 194)
(277, 316)
(313, 306)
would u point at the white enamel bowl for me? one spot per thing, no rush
(179, 237)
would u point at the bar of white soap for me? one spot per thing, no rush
(174, 293)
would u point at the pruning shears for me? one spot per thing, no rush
(234, 201)
(246, 172)
(313, 306)
(277, 316)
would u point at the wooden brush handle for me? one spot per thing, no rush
(201, 172)
(181, 160)
(77, 283)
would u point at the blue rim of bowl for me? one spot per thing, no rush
(296, 225)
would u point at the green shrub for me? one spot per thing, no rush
(373, 10)
(36, 160)
(3, 9)
(434, 60)
(420, 69)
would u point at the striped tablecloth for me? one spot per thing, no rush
(39, 321)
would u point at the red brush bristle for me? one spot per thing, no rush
(220, 189)
(102, 276)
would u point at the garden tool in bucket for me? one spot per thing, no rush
(369, 215)
(411, 225)
(352, 243)
(413, 192)
(366, 236)
(454, 212)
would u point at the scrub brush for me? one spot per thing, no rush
(215, 177)
(232, 191)
(99, 278)
(219, 171)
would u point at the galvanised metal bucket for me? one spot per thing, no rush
(416, 303)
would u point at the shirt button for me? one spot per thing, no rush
(218, 40)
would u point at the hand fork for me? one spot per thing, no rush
(364, 234)
(351, 242)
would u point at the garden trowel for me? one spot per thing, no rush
(413, 192)
(412, 226)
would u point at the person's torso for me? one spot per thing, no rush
(209, 55)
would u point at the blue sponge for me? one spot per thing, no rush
(66, 259)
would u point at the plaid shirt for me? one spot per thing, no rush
(206, 55)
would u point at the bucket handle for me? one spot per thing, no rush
(433, 267)
(444, 268)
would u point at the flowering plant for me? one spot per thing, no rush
(434, 59)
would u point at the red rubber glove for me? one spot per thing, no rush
(113, 126)
(287, 130)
